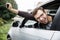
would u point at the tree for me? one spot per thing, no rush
(4, 12)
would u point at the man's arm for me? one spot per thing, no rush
(20, 13)
(10, 8)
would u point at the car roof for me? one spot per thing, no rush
(55, 2)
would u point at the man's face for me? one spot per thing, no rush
(41, 17)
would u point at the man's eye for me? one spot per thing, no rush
(41, 14)
(38, 17)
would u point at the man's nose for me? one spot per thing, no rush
(41, 19)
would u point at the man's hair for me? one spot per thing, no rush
(36, 9)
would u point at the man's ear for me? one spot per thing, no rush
(49, 18)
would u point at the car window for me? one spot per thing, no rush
(52, 7)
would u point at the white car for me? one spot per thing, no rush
(16, 33)
(26, 33)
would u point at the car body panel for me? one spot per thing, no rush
(56, 36)
(30, 33)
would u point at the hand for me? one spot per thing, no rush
(9, 6)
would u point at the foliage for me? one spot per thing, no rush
(4, 13)
(4, 30)
(2, 21)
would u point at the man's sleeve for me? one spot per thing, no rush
(26, 15)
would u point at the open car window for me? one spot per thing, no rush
(52, 7)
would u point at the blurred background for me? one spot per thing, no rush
(5, 18)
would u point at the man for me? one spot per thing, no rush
(39, 15)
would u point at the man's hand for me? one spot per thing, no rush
(9, 6)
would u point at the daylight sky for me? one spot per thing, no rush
(24, 5)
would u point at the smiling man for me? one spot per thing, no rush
(39, 15)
